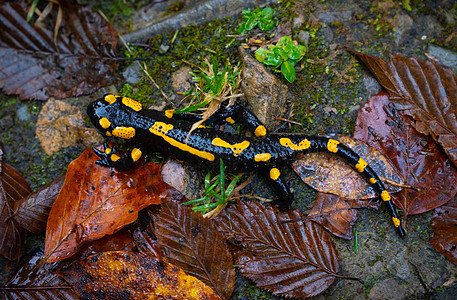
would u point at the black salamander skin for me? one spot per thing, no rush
(166, 132)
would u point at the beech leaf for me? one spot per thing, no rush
(427, 90)
(131, 275)
(297, 259)
(36, 280)
(337, 214)
(12, 188)
(444, 222)
(415, 156)
(32, 211)
(96, 201)
(328, 173)
(33, 68)
(194, 244)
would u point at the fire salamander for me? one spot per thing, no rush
(166, 132)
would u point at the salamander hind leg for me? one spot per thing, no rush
(281, 188)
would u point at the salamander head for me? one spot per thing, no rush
(112, 113)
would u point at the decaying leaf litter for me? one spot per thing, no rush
(389, 269)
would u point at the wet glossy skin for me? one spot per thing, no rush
(122, 117)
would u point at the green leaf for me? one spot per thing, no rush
(288, 71)
(302, 49)
(284, 41)
(261, 54)
(266, 24)
(294, 54)
(272, 59)
(267, 13)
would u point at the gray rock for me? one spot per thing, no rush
(303, 36)
(193, 12)
(387, 289)
(445, 56)
(132, 74)
(333, 16)
(402, 24)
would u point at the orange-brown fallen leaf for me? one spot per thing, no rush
(96, 201)
(131, 275)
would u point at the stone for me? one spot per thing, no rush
(387, 289)
(265, 94)
(181, 80)
(445, 56)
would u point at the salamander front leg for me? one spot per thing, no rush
(117, 158)
(281, 189)
(239, 114)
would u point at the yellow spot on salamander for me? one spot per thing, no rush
(360, 166)
(385, 196)
(136, 106)
(396, 222)
(105, 123)
(115, 157)
(108, 133)
(332, 146)
(274, 173)
(108, 150)
(161, 129)
(303, 145)
(124, 132)
(236, 148)
(372, 180)
(260, 131)
(169, 113)
(262, 157)
(110, 99)
(136, 154)
(230, 120)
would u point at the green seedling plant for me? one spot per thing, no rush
(284, 55)
(216, 192)
(213, 83)
(263, 18)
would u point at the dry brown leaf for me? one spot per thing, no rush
(337, 214)
(96, 201)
